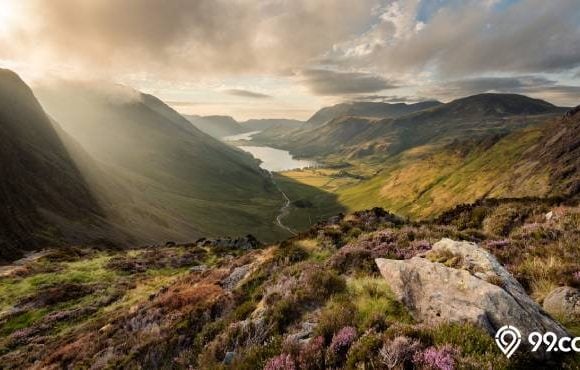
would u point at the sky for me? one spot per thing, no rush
(288, 58)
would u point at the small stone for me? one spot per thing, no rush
(229, 358)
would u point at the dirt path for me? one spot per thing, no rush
(33, 256)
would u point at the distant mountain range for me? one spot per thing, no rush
(222, 126)
(368, 109)
(429, 122)
(419, 164)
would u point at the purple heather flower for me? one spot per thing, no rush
(438, 358)
(342, 340)
(280, 362)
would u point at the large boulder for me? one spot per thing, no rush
(564, 301)
(461, 282)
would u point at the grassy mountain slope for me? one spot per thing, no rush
(539, 160)
(217, 126)
(44, 195)
(213, 187)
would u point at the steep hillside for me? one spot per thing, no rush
(218, 126)
(560, 151)
(45, 198)
(213, 187)
(368, 109)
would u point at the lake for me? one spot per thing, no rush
(276, 160)
(244, 136)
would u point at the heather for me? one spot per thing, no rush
(314, 301)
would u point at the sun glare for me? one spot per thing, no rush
(7, 12)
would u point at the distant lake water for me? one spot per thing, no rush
(273, 160)
(276, 160)
(244, 136)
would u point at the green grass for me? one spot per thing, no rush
(81, 272)
(374, 299)
(422, 181)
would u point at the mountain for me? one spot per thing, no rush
(272, 123)
(559, 151)
(471, 117)
(45, 197)
(218, 126)
(213, 188)
(368, 109)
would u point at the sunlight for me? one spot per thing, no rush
(7, 12)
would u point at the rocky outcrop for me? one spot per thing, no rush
(460, 282)
(247, 242)
(564, 301)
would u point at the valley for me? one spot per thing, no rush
(289, 185)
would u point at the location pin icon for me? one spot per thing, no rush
(508, 339)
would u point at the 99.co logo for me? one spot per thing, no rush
(508, 338)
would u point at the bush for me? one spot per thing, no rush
(339, 346)
(364, 352)
(441, 358)
(337, 314)
(399, 352)
(281, 362)
(311, 356)
(288, 253)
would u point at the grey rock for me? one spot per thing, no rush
(435, 293)
(236, 276)
(306, 330)
(229, 358)
(200, 268)
(564, 300)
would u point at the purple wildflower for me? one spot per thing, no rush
(342, 340)
(280, 362)
(438, 358)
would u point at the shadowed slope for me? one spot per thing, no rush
(44, 196)
(215, 188)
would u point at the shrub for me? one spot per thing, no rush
(256, 356)
(280, 362)
(337, 314)
(311, 356)
(436, 358)
(289, 253)
(364, 352)
(399, 352)
(502, 220)
(341, 342)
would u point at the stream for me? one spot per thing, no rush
(273, 160)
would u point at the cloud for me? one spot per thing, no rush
(470, 37)
(327, 82)
(247, 94)
(528, 85)
(176, 38)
